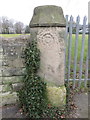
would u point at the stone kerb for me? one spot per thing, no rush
(47, 27)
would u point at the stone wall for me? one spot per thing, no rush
(47, 27)
(11, 67)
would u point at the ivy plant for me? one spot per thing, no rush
(32, 96)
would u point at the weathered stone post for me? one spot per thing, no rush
(47, 27)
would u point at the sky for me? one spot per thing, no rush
(89, 12)
(22, 10)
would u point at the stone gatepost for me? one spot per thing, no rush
(47, 27)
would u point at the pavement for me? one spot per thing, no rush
(81, 111)
(12, 111)
(82, 106)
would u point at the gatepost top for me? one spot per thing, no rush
(48, 16)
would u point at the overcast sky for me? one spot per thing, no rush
(22, 10)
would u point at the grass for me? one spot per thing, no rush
(79, 46)
(11, 35)
(79, 54)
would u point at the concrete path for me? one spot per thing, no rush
(12, 112)
(81, 101)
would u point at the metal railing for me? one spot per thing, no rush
(75, 57)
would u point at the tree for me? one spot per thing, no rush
(5, 25)
(19, 27)
(27, 29)
(11, 26)
(0, 26)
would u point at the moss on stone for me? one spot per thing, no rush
(12, 79)
(48, 15)
(6, 88)
(56, 95)
(8, 98)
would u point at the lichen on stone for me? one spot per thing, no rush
(56, 95)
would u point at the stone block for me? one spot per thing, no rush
(13, 50)
(6, 88)
(17, 86)
(5, 63)
(0, 113)
(13, 79)
(0, 72)
(0, 63)
(16, 63)
(0, 88)
(10, 71)
(50, 41)
(0, 80)
(10, 51)
(1, 49)
(10, 87)
(47, 27)
(8, 98)
(1, 56)
(52, 48)
(56, 95)
(48, 15)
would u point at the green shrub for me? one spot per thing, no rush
(32, 96)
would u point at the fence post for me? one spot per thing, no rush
(86, 72)
(82, 49)
(70, 46)
(76, 50)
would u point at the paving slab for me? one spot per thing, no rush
(12, 111)
(81, 102)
